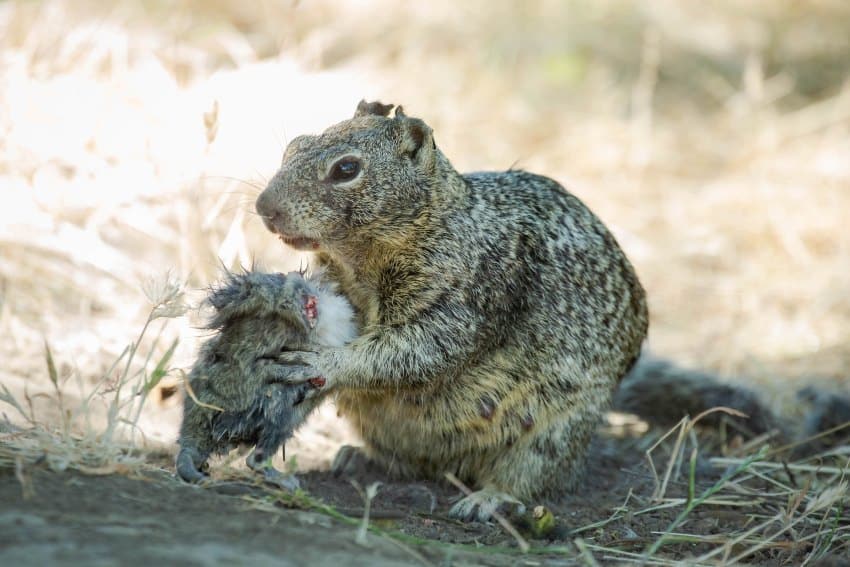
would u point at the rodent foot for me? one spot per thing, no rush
(258, 463)
(482, 504)
(195, 477)
(186, 468)
(288, 482)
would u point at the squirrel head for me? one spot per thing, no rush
(371, 174)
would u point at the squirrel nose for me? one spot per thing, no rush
(265, 203)
(267, 210)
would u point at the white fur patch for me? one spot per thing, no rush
(335, 326)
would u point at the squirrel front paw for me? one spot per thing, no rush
(294, 367)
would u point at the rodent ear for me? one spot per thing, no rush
(372, 109)
(417, 139)
(233, 297)
(227, 291)
(228, 297)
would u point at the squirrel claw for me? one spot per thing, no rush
(482, 504)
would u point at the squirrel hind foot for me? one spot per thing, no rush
(483, 504)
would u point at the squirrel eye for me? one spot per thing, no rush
(345, 169)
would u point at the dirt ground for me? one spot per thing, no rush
(71, 518)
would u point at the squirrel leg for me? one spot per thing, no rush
(276, 428)
(545, 462)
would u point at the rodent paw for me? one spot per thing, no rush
(193, 477)
(288, 482)
(259, 463)
(482, 504)
(187, 469)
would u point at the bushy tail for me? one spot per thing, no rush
(662, 393)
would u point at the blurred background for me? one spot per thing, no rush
(714, 138)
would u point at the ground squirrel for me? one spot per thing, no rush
(256, 316)
(498, 312)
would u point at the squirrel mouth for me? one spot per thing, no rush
(300, 242)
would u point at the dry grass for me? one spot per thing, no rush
(715, 141)
(81, 437)
(794, 512)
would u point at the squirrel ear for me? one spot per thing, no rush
(372, 109)
(417, 139)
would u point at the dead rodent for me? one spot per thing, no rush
(498, 312)
(257, 315)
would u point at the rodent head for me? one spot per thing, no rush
(370, 172)
(255, 295)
